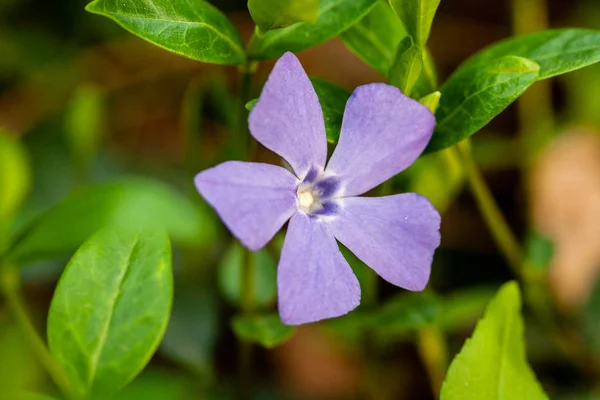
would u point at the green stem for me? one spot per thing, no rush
(501, 233)
(536, 292)
(247, 148)
(433, 350)
(11, 289)
(245, 347)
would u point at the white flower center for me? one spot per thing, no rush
(306, 199)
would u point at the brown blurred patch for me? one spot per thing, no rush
(313, 366)
(565, 195)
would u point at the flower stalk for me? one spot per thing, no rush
(10, 287)
(499, 229)
(536, 292)
(246, 147)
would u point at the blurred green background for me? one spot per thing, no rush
(103, 113)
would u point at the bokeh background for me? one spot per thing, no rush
(66, 74)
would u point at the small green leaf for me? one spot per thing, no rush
(333, 100)
(111, 308)
(15, 175)
(431, 101)
(265, 275)
(417, 16)
(194, 29)
(270, 14)
(374, 38)
(83, 126)
(492, 364)
(474, 95)
(406, 312)
(539, 251)
(556, 51)
(265, 329)
(428, 81)
(407, 66)
(250, 105)
(130, 202)
(335, 16)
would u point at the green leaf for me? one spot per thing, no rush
(333, 100)
(417, 16)
(111, 308)
(194, 29)
(492, 364)
(269, 14)
(130, 202)
(407, 66)
(250, 105)
(83, 126)
(335, 16)
(265, 275)
(428, 81)
(431, 101)
(375, 38)
(266, 330)
(406, 312)
(556, 51)
(15, 175)
(474, 95)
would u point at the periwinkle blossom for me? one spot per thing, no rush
(382, 133)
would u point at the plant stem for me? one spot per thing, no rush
(433, 350)
(10, 286)
(247, 148)
(536, 292)
(501, 233)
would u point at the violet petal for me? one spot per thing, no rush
(394, 235)
(314, 280)
(288, 119)
(254, 200)
(383, 132)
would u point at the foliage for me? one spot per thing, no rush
(492, 364)
(81, 189)
(110, 309)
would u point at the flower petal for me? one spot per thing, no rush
(314, 280)
(288, 119)
(254, 200)
(383, 132)
(394, 235)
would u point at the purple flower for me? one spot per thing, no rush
(383, 132)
